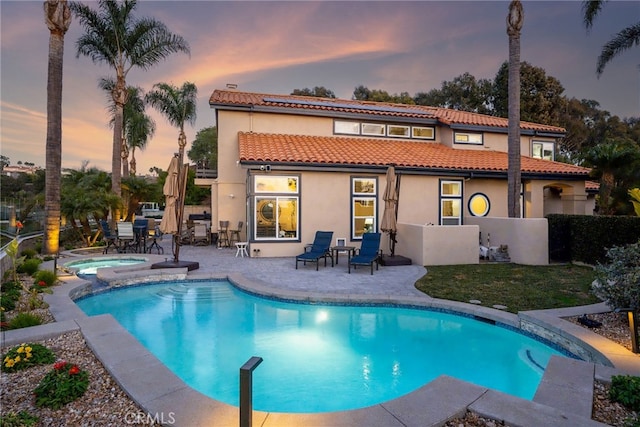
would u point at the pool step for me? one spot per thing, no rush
(567, 384)
(181, 292)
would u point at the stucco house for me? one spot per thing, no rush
(291, 165)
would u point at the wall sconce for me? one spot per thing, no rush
(231, 196)
(368, 224)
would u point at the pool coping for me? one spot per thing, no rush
(165, 396)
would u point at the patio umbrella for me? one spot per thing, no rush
(171, 191)
(389, 219)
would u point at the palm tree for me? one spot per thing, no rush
(113, 36)
(57, 15)
(608, 161)
(177, 105)
(137, 127)
(514, 25)
(622, 41)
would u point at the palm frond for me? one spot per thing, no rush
(624, 40)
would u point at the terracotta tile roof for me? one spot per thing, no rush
(592, 186)
(232, 98)
(348, 151)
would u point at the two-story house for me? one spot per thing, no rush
(291, 165)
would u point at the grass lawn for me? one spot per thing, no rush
(519, 287)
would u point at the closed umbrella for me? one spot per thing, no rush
(389, 219)
(171, 191)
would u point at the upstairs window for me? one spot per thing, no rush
(374, 129)
(420, 132)
(543, 150)
(467, 138)
(348, 128)
(398, 131)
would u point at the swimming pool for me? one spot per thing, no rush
(91, 265)
(317, 358)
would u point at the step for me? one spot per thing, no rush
(567, 384)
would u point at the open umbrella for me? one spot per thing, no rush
(389, 219)
(171, 191)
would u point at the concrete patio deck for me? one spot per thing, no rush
(162, 394)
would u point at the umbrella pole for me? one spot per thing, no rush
(182, 188)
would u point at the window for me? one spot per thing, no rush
(450, 202)
(542, 150)
(363, 206)
(349, 128)
(479, 204)
(373, 129)
(467, 138)
(398, 131)
(276, 201)
(423, 132)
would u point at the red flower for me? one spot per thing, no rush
(42, 283)
(74, 370)
(59, 365)
(19, 225)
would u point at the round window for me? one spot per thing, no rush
(479, 204)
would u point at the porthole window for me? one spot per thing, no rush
(479, 205)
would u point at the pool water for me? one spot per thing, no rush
(90, 266)
(317, 358)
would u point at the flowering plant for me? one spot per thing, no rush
(64, 384)
(25, 355)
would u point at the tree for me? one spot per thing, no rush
(137, 127)
(541, 99)
(113, 36)
(463, 93)
(204, 149)
(86, 193)
(137, 189)
(177, 105)
(514, 25)
(318, 92)
(622, 41)
(362, 93)
(58, 19)
(611, 161)
(4, 162)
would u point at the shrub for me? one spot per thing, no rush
(30, 266)
(625, 389)
(25, 355)
(618, 282)
(24, 320)
(8, 299)
(46, 276)
(21, 419)
(29, 253)
(64, 384)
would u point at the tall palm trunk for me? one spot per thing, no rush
(58, 18)
(514, 25)
(119, 99)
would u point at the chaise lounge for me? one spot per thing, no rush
(369, 252)
(319, 249)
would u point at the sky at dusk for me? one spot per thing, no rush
(275, 47)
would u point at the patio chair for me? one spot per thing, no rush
(319, 249)
(201, 235)
(110, 238)
(368, 253)
(234, 235)
(126, 237)
(154, 234)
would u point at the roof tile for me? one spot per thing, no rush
(386, 109)
(319, 150)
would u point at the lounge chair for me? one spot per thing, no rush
(201, 235)
(110, 238)
(369, 252)
(319, 249)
